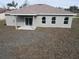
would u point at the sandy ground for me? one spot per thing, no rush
(43, 43)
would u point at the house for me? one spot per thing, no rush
(39, 15)
(2, 14)
(3, 11)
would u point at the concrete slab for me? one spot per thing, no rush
(27, 28)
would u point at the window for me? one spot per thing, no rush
(43, 20)
(66, 20)
(53, 20)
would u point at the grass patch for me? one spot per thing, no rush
(2, 23)
(75, 28)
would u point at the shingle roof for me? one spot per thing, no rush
(2, 10)
(40, 9)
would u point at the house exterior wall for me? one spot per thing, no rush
(14, 20)
(10, 20)
(20, 21)
(59, 22)
(37, 21)
(2, 16)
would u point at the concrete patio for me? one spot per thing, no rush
(26, 28)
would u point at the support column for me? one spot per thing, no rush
(16, 22)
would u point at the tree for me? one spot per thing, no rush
(9, 5)
(24, 4)
(12, 4)
(73, 8)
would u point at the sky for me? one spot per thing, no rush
(55, 3)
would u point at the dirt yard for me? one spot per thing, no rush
(43, 43)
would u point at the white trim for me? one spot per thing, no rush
(22, 14)
(54, 14)
(43, 14)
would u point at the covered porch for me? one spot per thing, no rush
(23, 22)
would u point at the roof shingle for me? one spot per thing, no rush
(38, 9)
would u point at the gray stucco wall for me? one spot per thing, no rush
(37, 21)
(20, 21)
(59, 22)
(10, 20)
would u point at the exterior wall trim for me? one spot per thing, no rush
(48, 14)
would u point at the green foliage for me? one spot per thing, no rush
(9, 4)
(12, 4)
(24, 4)
(74, 9)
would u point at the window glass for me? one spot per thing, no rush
(44, 20)
(53, 20)
(66, 20)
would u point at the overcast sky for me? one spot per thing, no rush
(56, 3)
